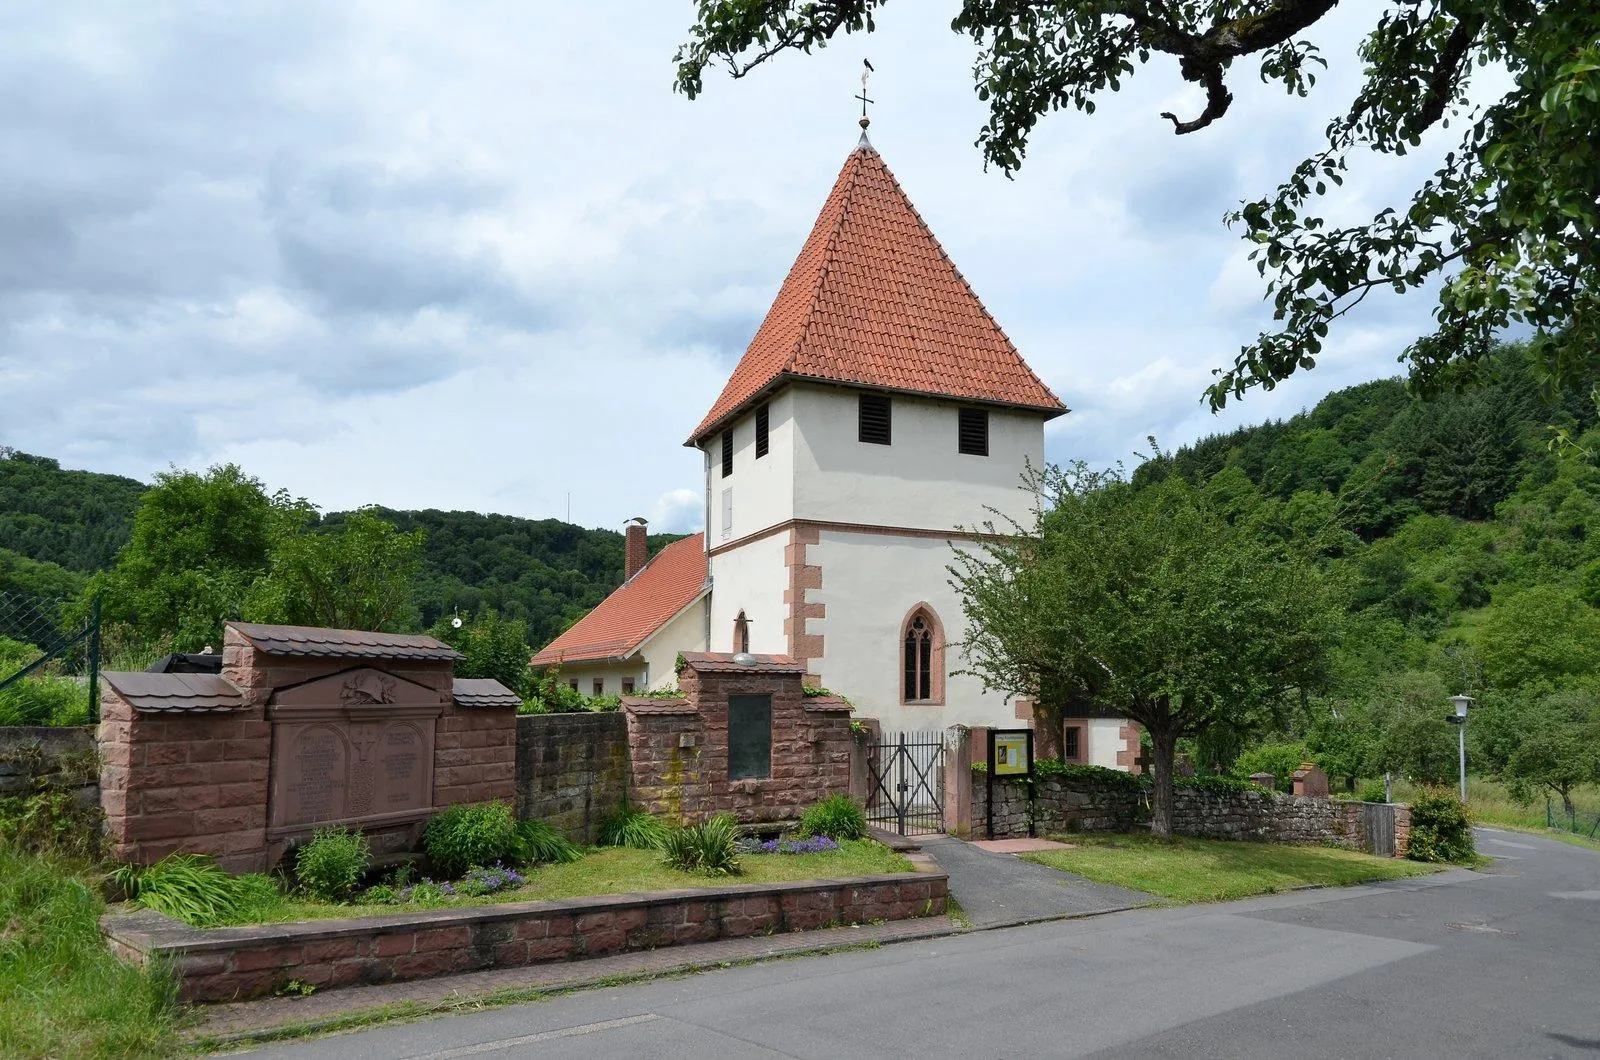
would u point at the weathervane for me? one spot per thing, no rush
(865, 121)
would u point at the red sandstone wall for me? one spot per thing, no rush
(475, 756)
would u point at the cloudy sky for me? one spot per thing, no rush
(479, 255)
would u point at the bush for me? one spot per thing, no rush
(709, 849)
(331, 865)
(467, 835)
(538, 842)
(837, 817)
(191, 888)
(1439, 829)
(1279, 759)
(481, 881)
(1371, 791)
(1099, 776)
(632, 828)
(1216, 785)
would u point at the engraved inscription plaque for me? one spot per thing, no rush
(353, 748)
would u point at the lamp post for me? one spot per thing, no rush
(1459, 720)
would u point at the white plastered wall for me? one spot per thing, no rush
(687, 632)
(1105, 740)
(763, 488)
(918, 481)
(870, 582)
(612, 674)
(751, 578)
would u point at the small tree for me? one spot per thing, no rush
(356, 577)
(494, 647)
(1560, 748)
(1148, 602)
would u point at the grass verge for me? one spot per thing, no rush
(1210, 870)
(619, 870)
(62, 993)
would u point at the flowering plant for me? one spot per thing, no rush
(817, 844)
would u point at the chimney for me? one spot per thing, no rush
(635, 550)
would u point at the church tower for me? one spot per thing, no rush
(875, 419)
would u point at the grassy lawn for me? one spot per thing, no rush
(1208, 870)
(62, 993)
(615, 870)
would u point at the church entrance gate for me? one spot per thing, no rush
(907, 790)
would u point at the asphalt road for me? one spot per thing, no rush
(1504, 963)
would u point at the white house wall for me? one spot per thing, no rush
(1105, 740)
(870, 583)
(751, 578)
(917, 481)
(687, 632)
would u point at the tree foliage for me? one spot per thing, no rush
(494, 647)
(358, 576)
(1507, 227)
(1148, 602)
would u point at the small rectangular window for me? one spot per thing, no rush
(627, 688)
(727, 452)
(972, 433)
(573, 684)
(875, 419)
(749, 737)
(727, 513)
(599, 686)
(1071, 746)
(761, 432)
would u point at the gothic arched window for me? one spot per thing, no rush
(922, 657)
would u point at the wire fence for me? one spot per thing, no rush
(1571, 822)
(49, 661)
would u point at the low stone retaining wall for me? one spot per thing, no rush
(572, 770)
(1059, 805)
(222, 964)
(1262, 815)
(35, 756)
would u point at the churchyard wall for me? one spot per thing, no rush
(572, 770)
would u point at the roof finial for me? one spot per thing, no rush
(865, 121)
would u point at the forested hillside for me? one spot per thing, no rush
(1466, 537)
(59, 526)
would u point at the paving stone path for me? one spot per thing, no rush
(1000, 889)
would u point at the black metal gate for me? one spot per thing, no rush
(907, 783)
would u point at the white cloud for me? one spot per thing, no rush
(388, 253)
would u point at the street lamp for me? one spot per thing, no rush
(1459, 719)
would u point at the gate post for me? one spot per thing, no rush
(957, 781)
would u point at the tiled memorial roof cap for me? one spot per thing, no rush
(874, 301)
(723, 662)
(482, 692)
(344, 643)
(674, 578)
(657, 705)
(175, 693)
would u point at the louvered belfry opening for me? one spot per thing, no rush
(875, 419)
(727, 452)
(972, 432)
(761, 432)
(919, 661)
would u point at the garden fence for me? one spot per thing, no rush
(42, 643)
(1554, 818)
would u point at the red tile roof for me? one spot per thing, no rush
(175, 693)
(670, 582)
(321, 643)
(873, 300)
(482, 692)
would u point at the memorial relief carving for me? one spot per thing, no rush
(352, 748)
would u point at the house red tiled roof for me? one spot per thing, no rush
(673, 579)
(873, 300)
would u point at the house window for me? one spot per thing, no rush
(761, 432)
(727, 452)
(875, 419)
(727, 513)
(972, 432)
(1072, 744)
(922, 657)
(599, 686)
(741, 633)
(627, 688)
(573, 684)
(749, 737)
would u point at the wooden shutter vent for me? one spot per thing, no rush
(761, 432)
(875, 421)
(727, 452)
(972, 434)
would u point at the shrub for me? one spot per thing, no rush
(1439, 829)
(191, 888)
(632, 828)
(537, 841)
(709, 848)
(1073, 772)
(466, 835)
(331, 865)
(1372, 791)
(1279, 759)
(836, 817)
(1215, 785)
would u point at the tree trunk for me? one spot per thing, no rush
(1164, 742)
(1566, 804)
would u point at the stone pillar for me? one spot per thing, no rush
(1266, 780)
(957, 782)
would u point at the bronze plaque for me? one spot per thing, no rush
(354, 748)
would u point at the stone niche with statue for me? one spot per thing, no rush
(299, 729)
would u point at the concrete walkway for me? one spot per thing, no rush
(996, 890)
